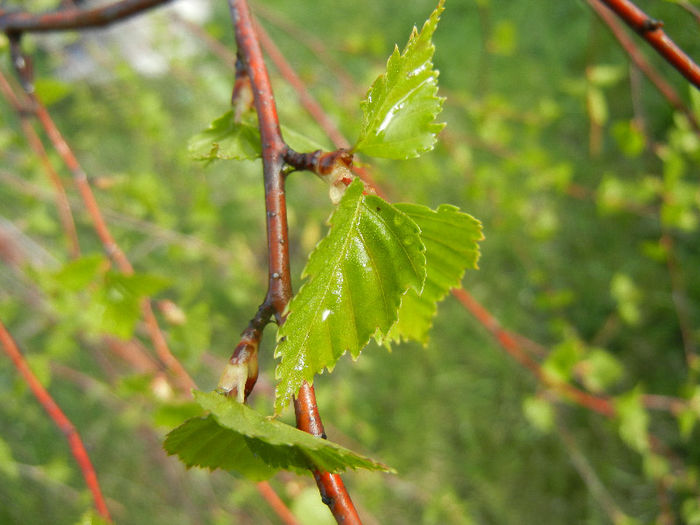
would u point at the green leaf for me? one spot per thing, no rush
(117, 306)
(92, 518)
(601, 370)
(400, 109)
(51, 90)
(633, 419)
(227, 139)
(357, 274)
(8, 465)
(76, 275)
(235, 437)
(450, 237)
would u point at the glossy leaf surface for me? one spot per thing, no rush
(451, 246)
(400, 109)
(236, 438)
(356, 277)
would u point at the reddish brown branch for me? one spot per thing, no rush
(276, 503)
(635, 54)
(59, 418)
(333, 492)
(652, 31)
(279, 290)
(309, 103)
(62, 204)
(110, 246)
(511, 345)
(73, 18)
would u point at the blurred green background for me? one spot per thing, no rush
(586, 182)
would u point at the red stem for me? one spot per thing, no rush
(23, 67)
(664, 87)
(59, 418)
(279, 290)
(651, 30)
(73, 18)
(276, 503)
(309, 103)
(511, 345)
(62, 204)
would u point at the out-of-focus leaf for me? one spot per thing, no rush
(117, 305)
(235, 437)
(356, 275)
(8, 466)
(600, 370)
(560, 362)
(400, 109)
(51, 90)
(633, 420)
(451, 246)
(92, 518)
(76, 275)
(539, 413)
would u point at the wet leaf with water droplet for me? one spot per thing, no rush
(402, 104)
(356, 277)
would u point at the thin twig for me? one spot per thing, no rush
(73, 18)
(276, 503)
(652, 31)
(510, 344)
(62, 205)
(279, 290)
(109, 244)
(309, 103)
(59, 418)
(636, 55)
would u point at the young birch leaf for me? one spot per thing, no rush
(357, 275)
(451, 246)
(227, 139)
(401, 106)
(235, 437)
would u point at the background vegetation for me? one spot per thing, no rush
(586, 182)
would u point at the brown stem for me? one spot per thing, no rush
(652, 31)
(279, 291)
(73, 18)
(309, 103)
(511, 345)
(276, 503)
(333, 492)
(110, 246)
(59, 418)
(62, 204)
(635, 54)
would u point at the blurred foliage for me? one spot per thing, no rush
(584, 178)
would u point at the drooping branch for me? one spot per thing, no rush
(59, 418)
(112, 249)
(652, 31)
(664, 87)
(73, 18)
(62, 205)
(279, 290)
